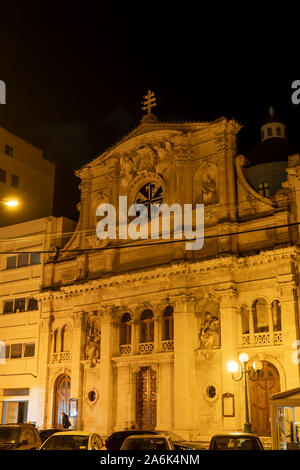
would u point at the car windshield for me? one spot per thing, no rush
(235, 443)
(151, 443)
(174, 437)
(8, 435)
(74, 442)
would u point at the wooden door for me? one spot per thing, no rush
(146, 398)
(260, 392)
(61, 398)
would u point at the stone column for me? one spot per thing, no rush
(184, 365)
(123, 404)
(106, 375)
(229, 345)
(78, 339)
(44, 416)
(290, 328)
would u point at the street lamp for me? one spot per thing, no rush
(10, 203)
(245, 371)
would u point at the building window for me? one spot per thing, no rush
(11, 262)
(15, 181)
(269, 131)
(66, 339)
(278, 131)
(19, 350)
(32, 304)
(22, 260)
(264, 189)
(125, 329)
(29, 349)
(260, 316)
(9, 150)
(35, 258)
(19, 305)
(147, 326)
(276, 315)
(168, 322)
(8, 306)
(2, 175)
(16, 350)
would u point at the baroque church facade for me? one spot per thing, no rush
(141, 330)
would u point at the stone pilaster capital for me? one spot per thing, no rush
(183, 303)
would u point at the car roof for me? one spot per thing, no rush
(16, 425)
(73, 433)
(143, 436)
(235, 434)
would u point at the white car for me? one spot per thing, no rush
(73, 440)
(147, 442)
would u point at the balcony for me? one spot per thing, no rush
(146, 348)
(262, 339)
(60, 357)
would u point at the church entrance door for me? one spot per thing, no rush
(146, 398)
(260, 392)
(62, 391)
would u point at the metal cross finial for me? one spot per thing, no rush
(149, 102)
(271, 111)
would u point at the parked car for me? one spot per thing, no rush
(116, 439)
(45, 433)
(147, 442)
(235, 441)
(73, 440)
(19, 437)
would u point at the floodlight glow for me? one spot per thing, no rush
(232, 366)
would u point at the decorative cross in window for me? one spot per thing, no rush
(150, 193)
(264, 189)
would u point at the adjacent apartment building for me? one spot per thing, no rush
(21, 275)
(27, 176)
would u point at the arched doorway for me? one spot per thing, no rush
(62, 390)
(146, 398)
(260, 392)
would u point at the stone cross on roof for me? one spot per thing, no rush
(149, 102)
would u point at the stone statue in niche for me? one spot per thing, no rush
(127, 169)
(209, 334)
(164, 152)
(93, 340)
(206, 184)
(154, 157)
(144, 158)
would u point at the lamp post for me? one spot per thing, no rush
(245, 372)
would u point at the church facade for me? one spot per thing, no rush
(142, 330)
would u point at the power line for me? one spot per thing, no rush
(153, 243)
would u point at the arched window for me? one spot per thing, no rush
(260, 316)
(269, 131)
(55, 341)
(168, 323)
(147, 326)
(125, 329)
(278, 131)
(276, 315)
(66, 338)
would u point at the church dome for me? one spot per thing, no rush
(269, 160)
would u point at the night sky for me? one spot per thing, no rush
(76, 73)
